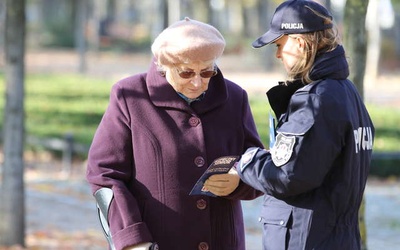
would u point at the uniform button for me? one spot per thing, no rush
(201, 204)
(203, 246)
(282, 222)
(199, 161)
(194, 121)
(259, 219)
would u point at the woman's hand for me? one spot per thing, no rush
(223, 184)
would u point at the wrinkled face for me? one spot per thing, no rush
(289, 49)
(191, 79)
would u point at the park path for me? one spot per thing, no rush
(61, 213)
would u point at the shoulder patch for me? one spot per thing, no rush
(282, 149)
(247, 158)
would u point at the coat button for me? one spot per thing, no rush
(201, 204)
(194, 121)
(199, 161)
(259, 219)
(203, 246)
(282, 222)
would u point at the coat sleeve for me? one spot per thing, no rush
(306, 146)
(111, 165)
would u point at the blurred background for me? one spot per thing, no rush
(74, 50)
(129, 26)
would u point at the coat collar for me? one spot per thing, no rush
(162, 94)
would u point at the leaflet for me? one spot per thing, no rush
(220, 165)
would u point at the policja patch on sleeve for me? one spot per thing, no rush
(282, 149)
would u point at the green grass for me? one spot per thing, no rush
(60, 104)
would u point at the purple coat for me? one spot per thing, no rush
(151, 147)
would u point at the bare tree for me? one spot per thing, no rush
(81, 12)
(2, 19)
(355, 40)
(12, 192)
(174, 11)
(374, 40)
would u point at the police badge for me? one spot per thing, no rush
(282, 149)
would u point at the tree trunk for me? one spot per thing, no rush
(81, 10)
(374, 42)
(265, 12)
(12, 192)
(174, 11)
(355, 41)
(2, 28)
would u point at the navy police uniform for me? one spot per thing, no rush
(315, 174)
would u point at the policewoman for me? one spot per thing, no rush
(161, 130)
(315, 174)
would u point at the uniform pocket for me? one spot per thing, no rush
(275, 227)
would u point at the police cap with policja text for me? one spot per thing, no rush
(295, 17)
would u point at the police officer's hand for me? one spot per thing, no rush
(223, 184)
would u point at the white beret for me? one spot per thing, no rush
(188, 41)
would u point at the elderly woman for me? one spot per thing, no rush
(158, 135)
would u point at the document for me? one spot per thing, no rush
(220, 165)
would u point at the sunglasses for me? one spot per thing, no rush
(191, 74)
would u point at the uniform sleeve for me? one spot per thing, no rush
(306, 146)
(110, 164)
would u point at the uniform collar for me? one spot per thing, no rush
(332, 64)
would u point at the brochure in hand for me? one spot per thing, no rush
(220, 165)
